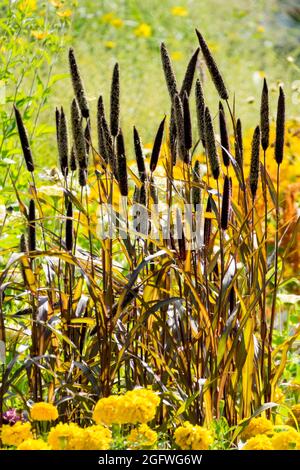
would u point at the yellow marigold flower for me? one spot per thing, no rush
(142, 437)
(14, 435)
(144, 30)
(27, 5)
(42, 411)
(256, 426)
(91, 438)
(296, 412)
(286, 440)
(196, 437)
(110, 44)
(39, 34)
(179, 11)
(33, 444)
(176, 55)
(117, 22)
(65, 13)
(107, 410)
(259, 442)
(60, 435)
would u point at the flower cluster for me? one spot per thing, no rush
(190, 437)
(72, 437)
(14, 435)
(256, 426)
(43, 412)
(142, 437)
(136, 406)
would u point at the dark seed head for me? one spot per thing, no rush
(63, 143)
(280, 127)
(157, 146)
(239, 148)
(173, 137)
(210, 145)
(254, 165)
(24, 141)
(213, 68)
(226, 203)
(122, 166)
(78, 136)
(207, 223)
(139, 155)
(264, 117)
(78, 85)
(200, 108)
(187, 123)
(180, 133)
(224, 136)
(115, 102)
(189, 75)
(109, 149)
(168, 71)
(73, 165)
(69, 227)
(82, 177)
(101, 138)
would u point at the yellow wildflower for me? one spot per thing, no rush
(60, 435)
(42, 411)
(64, 14)
(177, 55)
(259, 442)
(14, 435)
(179, 11)
(108, 17)
(196, 437)
(117, 22)
(110, 44)
(39, 34)
(286, 440)
(256, 426)
(56, 3)
(27, 5)
(142, 437)
(144, 30)
(33, 444)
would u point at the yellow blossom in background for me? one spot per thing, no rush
(56, 3)
(39, 34)
(260, 442)
(42, 411)
(296, 412)
(142, 437)
(179, 11)
(14, 435)
(110, 44)
(190, 437)
(177, 55)
(108, 17)
(33, 444)
(27, 5)
(117, 22)
(60, 435)
(144, 30)
(286, 440)
(260, 29)
(256, 426)
(64, 14)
